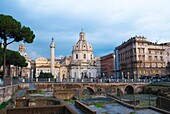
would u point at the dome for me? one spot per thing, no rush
(82, 44)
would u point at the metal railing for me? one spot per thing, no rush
(92, 80)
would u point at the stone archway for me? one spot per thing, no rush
(88, 91)
(129, 89)
(139, 90)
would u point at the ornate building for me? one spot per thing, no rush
(82, 64)
(98, 66)
(26, 71)
(43, 65)
(138, 57)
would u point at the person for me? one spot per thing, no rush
(96, 79)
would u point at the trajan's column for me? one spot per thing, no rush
(52, 57)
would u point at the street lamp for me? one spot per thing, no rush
(104, 76)
(122, 76)
(134, 75)
(128, 74)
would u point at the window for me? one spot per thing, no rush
(161, 58)
(91, 56)
(139, 50)
(143, 57)
(143, 50)
(89, 74)
(155, 58)
(134, 50)
(84, 56)
(76, 56)
(156, 52)
(161, 52)
(150, 58)
(149, 52)
(139, 56)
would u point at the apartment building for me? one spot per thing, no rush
(138, 57)
(107, 65)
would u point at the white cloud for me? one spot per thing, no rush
(59, 57)
(107, 23)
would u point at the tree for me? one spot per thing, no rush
(14, 58)
(12, 31)
(1, 61)
(45, 75)
(1, 57)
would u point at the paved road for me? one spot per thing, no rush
(19, 93)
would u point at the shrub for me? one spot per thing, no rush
(4, 104)
(45, 75)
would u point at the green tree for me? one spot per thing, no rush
(1, 57)
(12, 31)
(14, 58)
(1, 60)
(45, 75)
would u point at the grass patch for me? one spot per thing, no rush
(72, 101)
(39, 92)
(99, 105)
(4, 104)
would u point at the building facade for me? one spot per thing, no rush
(138, 57)
(82, 64)
(26, 71)
(98, 66)
(107, 65)
(43, 65)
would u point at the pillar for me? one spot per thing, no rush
(52, 57)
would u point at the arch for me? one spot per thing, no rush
(129, 89)
(88, 91)
(85, 75)
(139, 90)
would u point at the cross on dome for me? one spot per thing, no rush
(82, 35)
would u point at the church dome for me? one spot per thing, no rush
(82, 44)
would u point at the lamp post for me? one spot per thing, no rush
(128, 74)
(122, 76)
(134, 75)
(104, 76)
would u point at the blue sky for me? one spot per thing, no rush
(107, 23)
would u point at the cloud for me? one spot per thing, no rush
(59, 57)
(34, 55)
(106, 23)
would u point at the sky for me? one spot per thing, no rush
(106, 23)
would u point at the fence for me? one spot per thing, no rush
(7, 91)
(144, 101)
(92, 80)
